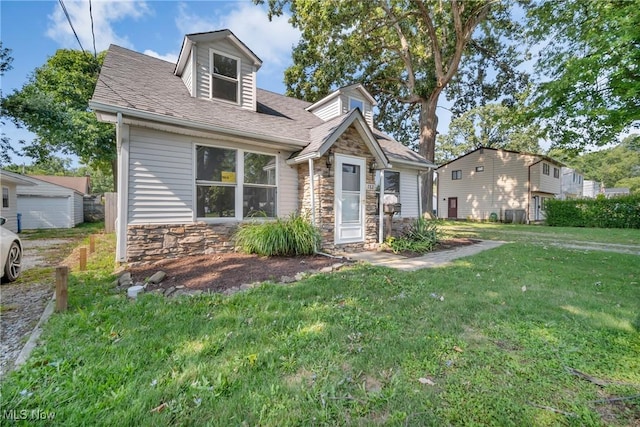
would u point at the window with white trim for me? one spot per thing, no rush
(5, 197)
(479, 168)
(235, 183)
(457, 174)
(225, 76)
(356, 103)
(545, 168)
(391, 188)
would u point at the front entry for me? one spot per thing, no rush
(453, 208)
(350, 197)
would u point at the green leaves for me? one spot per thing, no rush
(54, 105)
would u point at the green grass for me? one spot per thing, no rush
(79, 231)
(350, 348)
(524, 233)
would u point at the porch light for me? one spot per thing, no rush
(373, 166)
(329, 159)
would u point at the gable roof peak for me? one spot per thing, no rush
(211, 36)
(345, 89)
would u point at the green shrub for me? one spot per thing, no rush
(282, 237)
(617, 212)
(421, 237)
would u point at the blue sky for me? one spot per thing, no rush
(34, 30)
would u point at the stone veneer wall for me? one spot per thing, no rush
(156, 242)
(350, 143)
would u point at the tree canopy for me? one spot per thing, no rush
(491, 125)
(406, 53)
(588, 68)
(5, 143)
(54, 105)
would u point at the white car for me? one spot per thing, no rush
(10, 253)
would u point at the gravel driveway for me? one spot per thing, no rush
(22, 302)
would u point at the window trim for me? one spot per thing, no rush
(237, 80)
(480, 168)
(7, 199)
(239, 184)
(456, 173)
(546, 169)
(556, 173)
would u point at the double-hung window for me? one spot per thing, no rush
(545, 168)
(456, 174)
(235, 183)
(5, 197)
(391, 188)
(225, 76)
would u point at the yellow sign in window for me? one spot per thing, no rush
(228, 176)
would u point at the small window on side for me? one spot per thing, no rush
(455, 175)
(5, 197)
(479, 168)
(545, 168)
(356, 103)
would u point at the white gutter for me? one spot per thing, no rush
(122, 145)
(313, 193)
(99, 106)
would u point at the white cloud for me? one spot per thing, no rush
(271, 41)
(170, 57)
(104, 13)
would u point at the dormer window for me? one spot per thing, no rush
(356, 103)
(225, 72)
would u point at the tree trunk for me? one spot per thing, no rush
(428, 127)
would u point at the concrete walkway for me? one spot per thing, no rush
(434, 259)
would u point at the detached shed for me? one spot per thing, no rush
(49, 205)
(9, 182)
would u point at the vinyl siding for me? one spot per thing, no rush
(187, 74)
(408, 193)
(502, 185)
(78, 209)
(160, 178)
(247, 72)
(545, 183)
(329, 110)
(367, 113)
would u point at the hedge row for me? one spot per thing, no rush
(618, 212)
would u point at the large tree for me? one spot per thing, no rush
(589, 67)
(54, 105)
(5, 143)
(406, 53)
(490, 125)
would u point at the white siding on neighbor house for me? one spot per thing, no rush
(367, 113)
(187, 73)
(78, 209)
(545, 183)
(247, 72)
(46, 212)
(161, 179)
(502, 185)
(10, 213)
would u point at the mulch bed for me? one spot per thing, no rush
(220, 272)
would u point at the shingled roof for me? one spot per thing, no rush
(138, 83)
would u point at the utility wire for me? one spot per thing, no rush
(93, 34)
(64, 9)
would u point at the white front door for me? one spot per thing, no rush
(350, 195)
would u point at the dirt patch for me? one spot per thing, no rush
(221, 272)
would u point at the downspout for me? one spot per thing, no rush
(381, 209)
(420, 194)
(123, 182)
(313, 193)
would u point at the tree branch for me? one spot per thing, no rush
(405, 53)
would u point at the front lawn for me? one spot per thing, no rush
(519, 335)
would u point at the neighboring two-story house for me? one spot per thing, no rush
(201, 149)
(572, 184)
(514, 186)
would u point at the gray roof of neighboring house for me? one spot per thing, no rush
(135, 81)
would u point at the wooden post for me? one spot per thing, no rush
(62, 276)
(83, 259)
(92, 244)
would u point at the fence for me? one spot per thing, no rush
(110, 213)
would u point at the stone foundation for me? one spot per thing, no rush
(156, 242)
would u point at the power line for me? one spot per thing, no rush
(93, 34)
(64, 9)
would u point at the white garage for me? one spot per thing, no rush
(47, 205)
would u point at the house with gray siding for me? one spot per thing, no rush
(511, 185)
(201, 149)
(9, 182)
(51, 202)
